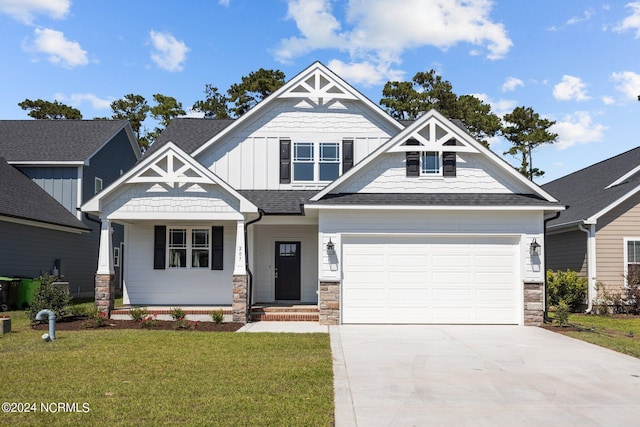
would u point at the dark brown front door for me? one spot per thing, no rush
(287, 271)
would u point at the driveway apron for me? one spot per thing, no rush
(423, 375)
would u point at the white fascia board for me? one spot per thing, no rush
(287, 86)
(48, 163)
(594, 218)
(434, 208)
(624, 177)
(173, 216)
(39, 224)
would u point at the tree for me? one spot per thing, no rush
(427, 90)
(133, 108)
(526, 131)
(166, 109)
(41, 109)
(254, 88)
(214, 106)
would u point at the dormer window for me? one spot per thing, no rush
(430, 163)
(316, 161)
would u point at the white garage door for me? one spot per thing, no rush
(430, 280)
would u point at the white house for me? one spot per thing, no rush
(316, 195)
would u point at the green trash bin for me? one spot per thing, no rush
(26, 291)
(8, 292)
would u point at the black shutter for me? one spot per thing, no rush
(285, 161)
(347, 155)
(159, 247)
(448, 163)
(413, 159)
(217, 247)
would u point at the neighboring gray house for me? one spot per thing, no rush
(599, 233)
(71, 160)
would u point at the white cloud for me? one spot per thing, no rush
(511, 84)
(570, 89)
(365, 73)
(628, 83)
(224, 3)
(574, 20)
(577, 128)
(58, 49)
(631, 22)
(25, 10)
(378, 32)
(169, 53)
(76, 99)
(499, 107)
(608, 100)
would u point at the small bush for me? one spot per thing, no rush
(78, 310)
(149, 322)
(562, 313)
(217, 316)
(566, 286)
(177, 313)
(632, 291)
(181, 324)
(97, 319)
(49, 297)
(138, 313)
(607, 302)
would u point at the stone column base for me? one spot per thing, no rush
(329, 302)
(105, 290)
(533, 303)
(240, 306)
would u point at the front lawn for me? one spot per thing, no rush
(619, 333)
(148, 377)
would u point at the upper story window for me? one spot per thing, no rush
(430, 163)
(97, 185)
(316, 161)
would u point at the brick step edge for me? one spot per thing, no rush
(168, 311)
(259, 309)
(286, 317)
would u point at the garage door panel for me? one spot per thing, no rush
(442, 279)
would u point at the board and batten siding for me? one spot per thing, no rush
(27, 251)
(522, 225)
(60, 182)
(567, 251)
(249, 158)
(265, 237)
(175, 286)
(612, 228)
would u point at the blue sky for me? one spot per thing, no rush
(573, 61)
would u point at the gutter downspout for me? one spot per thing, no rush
(546, 292)
(591, 263)
(246, 257)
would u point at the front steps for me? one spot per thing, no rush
(284, 312)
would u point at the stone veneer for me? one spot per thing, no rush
(329, 302)
(105, 289)
(239, 307)
(533, 303)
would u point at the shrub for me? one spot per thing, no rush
(97, 319)
(607, 302)
(49, 297)
(217, 316)
(177, 313)
(184, 324)
(566, 286)
(632, 291)
(149, 322)
(562, 313)
(138, 313)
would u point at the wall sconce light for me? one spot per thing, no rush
(534, 248)
(330, 247)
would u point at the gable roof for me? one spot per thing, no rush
(23, 200)
(53, 141)
(189, 133)
(316, 83)
(440, 131)
(593, 191)
(171, 165)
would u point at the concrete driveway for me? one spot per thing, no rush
(479, 376)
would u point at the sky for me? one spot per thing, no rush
(575, 62)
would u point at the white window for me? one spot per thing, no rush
(319, 161)
(632, 260)
(97, 186)
(430, 164)
(116, 257)
(189, 248)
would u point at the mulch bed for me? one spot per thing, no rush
(80, 324)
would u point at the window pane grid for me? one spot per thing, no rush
(430, 162)
(189, 244)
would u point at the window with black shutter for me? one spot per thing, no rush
(285, 161)
(449, 163)
(217, 247)
(413, 159)
(159, 247)
(347, 155)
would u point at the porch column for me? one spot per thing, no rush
(105, 275)
(240, 305)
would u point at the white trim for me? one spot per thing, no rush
(625, 270)
(172, 216)
(33, 223)
(80, 194)
(96, 181)
(116, 256)
(49, 163)
(623, 177)
(435, 208)
(594, 218)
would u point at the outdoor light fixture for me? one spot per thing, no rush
(330, 247)
(534, 248)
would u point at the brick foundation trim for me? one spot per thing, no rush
(533, 303)
(239, 306)
(105, 290)
(329, 302)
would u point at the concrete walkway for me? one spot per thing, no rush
(479, 376)
(295, 327)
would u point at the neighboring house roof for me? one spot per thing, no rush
(22, 199)
(594, 190)
(189, 133)
(53, 141)
(437, 199)
(279, 202)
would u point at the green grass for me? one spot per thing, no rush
(151, 377)
(621, 334)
